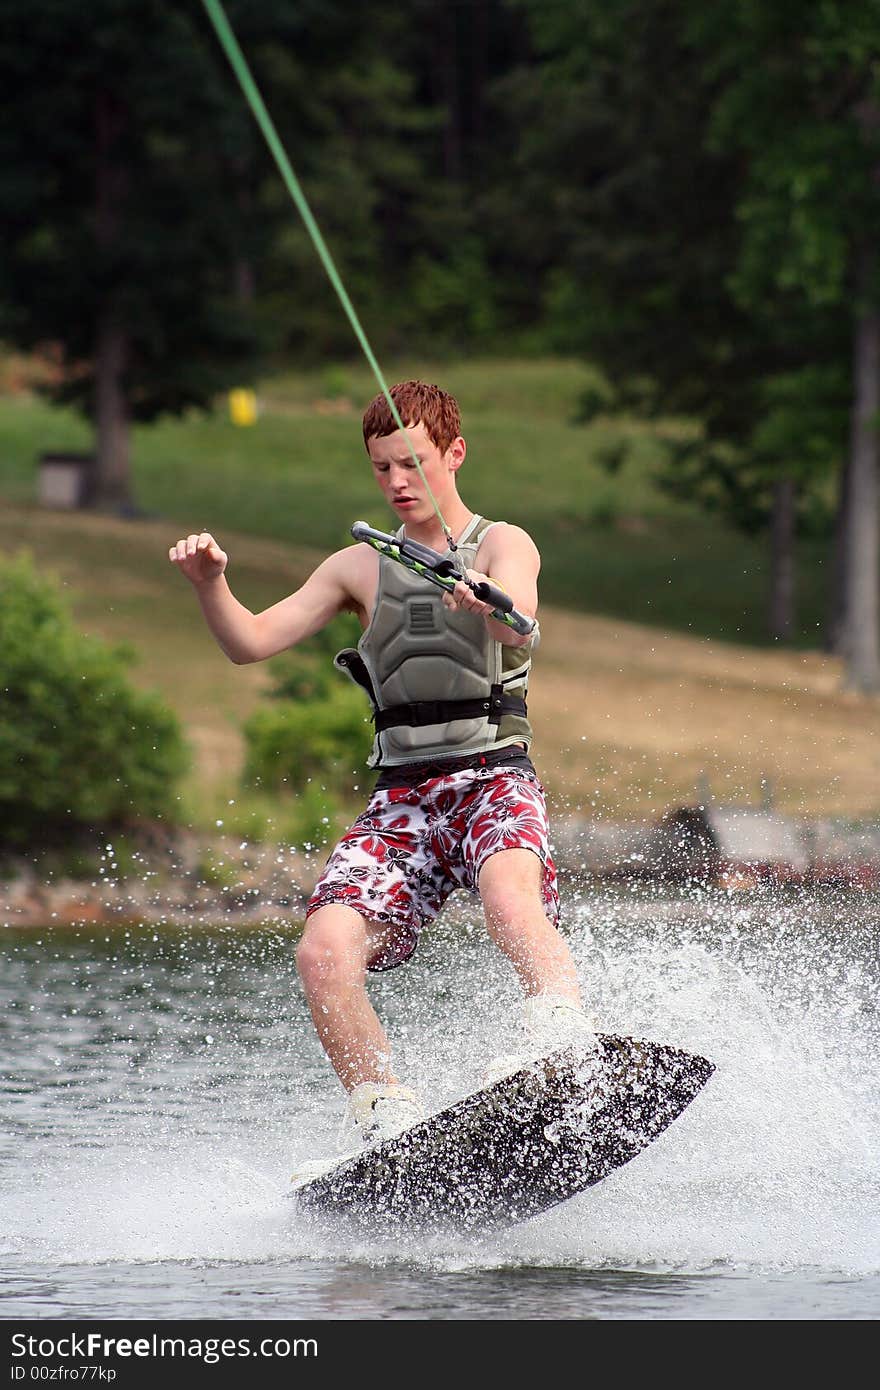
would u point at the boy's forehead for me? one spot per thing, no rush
(395, 445)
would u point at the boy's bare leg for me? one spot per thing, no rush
(510, 889)
(332, 957)
(337, 943)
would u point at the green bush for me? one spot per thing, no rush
(317, 730)
(324, 740)
(78, 745)
(307, 671)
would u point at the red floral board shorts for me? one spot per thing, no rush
(413, 846)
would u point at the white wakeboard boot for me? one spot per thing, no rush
(549, 1022)
(375, 1112)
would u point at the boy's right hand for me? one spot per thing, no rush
(199, 558)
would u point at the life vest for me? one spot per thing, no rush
(439, 685)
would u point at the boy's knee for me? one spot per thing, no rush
(508, 897)
(504, 905)
(325, 953)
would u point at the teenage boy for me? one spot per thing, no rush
(457, 803)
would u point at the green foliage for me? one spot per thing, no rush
(322, 740)
(800, 426)
(307, 821)
(317, 733)
(455, 295)
(307, 672)
(798, 99)
(313, 820)
(343, 101)
(216, 872)
(78, 745)
(700, 232)
(125, 201)
(144, 190)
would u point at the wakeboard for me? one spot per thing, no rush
(515, 1149)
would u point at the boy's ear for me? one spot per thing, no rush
(455, 454)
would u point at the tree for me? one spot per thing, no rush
(120, 220)
(382, 111)
(148, 237)
(801, 100)
(79, 745)
(657, 211)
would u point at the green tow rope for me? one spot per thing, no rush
(233, 52)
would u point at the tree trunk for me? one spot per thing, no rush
(836, 598)
(447, 86)
(244, 277)
(245, 281)
(478, 46)
(112, 489)
(861, 625)
(782, 577)
(112, 481)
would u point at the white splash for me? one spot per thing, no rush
(185, 1154)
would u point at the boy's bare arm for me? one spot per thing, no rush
(510, 559)
(245, 636)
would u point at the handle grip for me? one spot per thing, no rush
(488, 593)
(502, 606)
(443, 572)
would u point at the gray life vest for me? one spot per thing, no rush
(439, 685)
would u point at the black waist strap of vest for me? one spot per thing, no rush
(418, 712)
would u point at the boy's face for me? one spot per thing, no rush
(399, 479)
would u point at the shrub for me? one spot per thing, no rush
(78, 745)
(317, 728)
(292, 744)
(307, 672)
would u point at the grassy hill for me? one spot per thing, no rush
(612, 542)
(628, 718)
(646, 681)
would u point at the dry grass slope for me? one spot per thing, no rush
(628, 718)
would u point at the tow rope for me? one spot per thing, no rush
(422, 560)
(231, 47)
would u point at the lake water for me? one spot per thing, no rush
(158, 1085)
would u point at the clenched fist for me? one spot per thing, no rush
(199, 558)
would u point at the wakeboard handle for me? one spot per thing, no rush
(428, 563)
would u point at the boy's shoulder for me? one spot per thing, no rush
(508, 537)
(351, 559)
(355, 567)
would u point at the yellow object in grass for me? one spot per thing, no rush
(242, 406)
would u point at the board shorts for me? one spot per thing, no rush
(413, 846)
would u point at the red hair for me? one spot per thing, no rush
(416, 402)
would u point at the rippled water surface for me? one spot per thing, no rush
(157, 1087)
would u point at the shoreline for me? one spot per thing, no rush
(186, 878)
